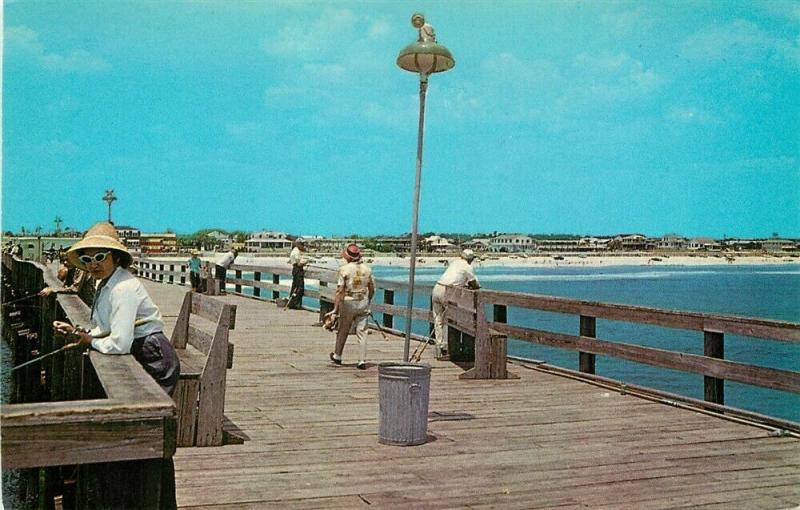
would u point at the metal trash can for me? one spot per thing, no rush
(404, 391)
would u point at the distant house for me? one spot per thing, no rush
(630, 242)
(478, 244)
(592, 243)
(703, 244)
(400, 244)
(438, 244)
(558, 245)
(672, 242)
(267, 240)
(775, 245)
(128, 235)
(158, 243)
(512, 243)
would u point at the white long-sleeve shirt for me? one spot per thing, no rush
(458, 273)
(119, 303)
(227, 260)
(296, 257)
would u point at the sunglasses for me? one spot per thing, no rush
(97, 257)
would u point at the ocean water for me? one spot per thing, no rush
(770, 292)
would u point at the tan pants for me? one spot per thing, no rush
(353, 319)
(439, 305)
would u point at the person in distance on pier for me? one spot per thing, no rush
(459, 273)
(298, 262)
(222, 267)
(355, 288)
(194, 271)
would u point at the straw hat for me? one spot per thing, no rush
(468, 255)
(352, 253)
(101, 235)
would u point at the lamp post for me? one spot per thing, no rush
(423, 57)
(109, 198)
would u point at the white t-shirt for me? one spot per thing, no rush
(458, 273)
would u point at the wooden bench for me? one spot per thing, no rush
(201, 340)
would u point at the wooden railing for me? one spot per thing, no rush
(102, 414)
(483, 314)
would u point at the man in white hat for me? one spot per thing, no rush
(298, 262)
(458, 274)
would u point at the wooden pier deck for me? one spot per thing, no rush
(541, 441)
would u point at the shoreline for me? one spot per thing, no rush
(541, 262)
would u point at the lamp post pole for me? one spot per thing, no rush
(423, 90)
(424, 57)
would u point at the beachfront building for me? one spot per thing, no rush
(775, 245)
(672, 242)
(559, 245)
(128, 235)
(34, 247)
(478, 244)
(703, 244)
(166, 242)
(393, 244)
(438, 244)
(267, 241)
(512, 243)
(592, 243)
(630, 242)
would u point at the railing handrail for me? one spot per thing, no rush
(698, 321)
(131, 396)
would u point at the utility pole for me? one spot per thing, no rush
(109, 198)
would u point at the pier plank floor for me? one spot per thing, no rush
(541, 441)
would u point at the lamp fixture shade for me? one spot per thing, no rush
(426, 58)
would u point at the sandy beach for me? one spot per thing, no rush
(541, 261)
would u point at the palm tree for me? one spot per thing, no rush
(58, 221)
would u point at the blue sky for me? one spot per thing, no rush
(559, 117)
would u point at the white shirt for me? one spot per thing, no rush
(226, 260)
(119, 303)
(355, 278)
(458, 273)
(296, 257)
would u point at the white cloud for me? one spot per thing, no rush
(23, 41)
(690, 115)
(742, 40)
(626, 22)
(326, 72)
(305, 39)
(379, 29)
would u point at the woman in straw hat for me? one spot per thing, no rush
(354, 290)
(122, 307)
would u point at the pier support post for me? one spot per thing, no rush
(586, 361)
(714, 347)
(491, 349)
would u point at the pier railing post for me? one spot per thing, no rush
(276, 279)
(172, 276)
(586, 361)
(238, 286)
(388, 299)
(714, 347)
(257, 290)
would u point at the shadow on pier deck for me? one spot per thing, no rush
(541, 441)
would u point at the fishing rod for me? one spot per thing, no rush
(21, 299)
(72, 345)
(416, 356)
(379, 326)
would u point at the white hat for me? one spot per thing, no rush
(467, 254)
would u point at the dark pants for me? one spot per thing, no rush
(298, 287)
(159, 359)
(219, 274)
(194, 279)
